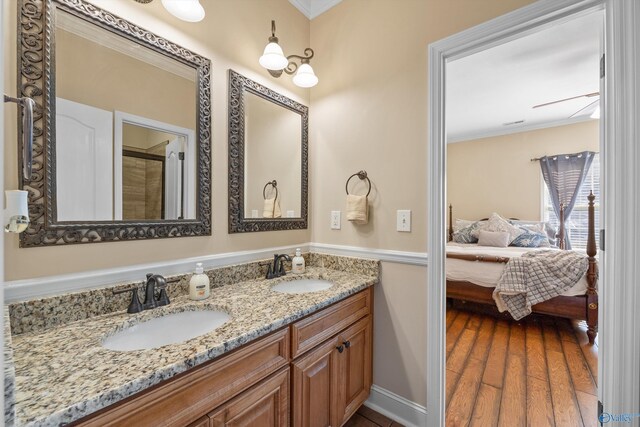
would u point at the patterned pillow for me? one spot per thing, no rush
(531, 239)
(466, 234)
(544, 227)
(497, 223)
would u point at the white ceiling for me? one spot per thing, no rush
(502, 84)
(313, 8)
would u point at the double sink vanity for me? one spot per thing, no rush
(295, 350)
(291, 350)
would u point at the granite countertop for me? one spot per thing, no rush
(63, 374)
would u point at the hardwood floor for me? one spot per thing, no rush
(366, 417)
(540, 371)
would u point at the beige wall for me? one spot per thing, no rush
(369, 111)
(232, 35)
(273, 150)
(95, 75)
(496, 174)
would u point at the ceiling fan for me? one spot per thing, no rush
(586, 95)
(588, 110)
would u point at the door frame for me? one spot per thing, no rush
(119, 119)
(619, 343)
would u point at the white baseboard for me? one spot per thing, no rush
(396, 407)
(21, 290)
(402, 257)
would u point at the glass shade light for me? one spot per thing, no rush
(16, 215)
(305, 76)
(273, 58)
(186, 10)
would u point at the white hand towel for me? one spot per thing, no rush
(271, 208)
(357, 209)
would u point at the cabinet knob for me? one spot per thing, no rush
(340, 348)
(347, 344)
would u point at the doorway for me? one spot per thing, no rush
(622, 341)
(508, 106)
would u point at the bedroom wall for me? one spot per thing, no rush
(495, 174)
(369, 111)
(232, 35)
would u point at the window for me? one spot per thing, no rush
(577, 225)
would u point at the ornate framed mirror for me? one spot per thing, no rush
(268, 158)
(122, 147)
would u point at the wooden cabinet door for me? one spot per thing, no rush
(314, 391)
(356, 368)
(263, 405)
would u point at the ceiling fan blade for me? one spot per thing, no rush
(586, 95)
(586, 110)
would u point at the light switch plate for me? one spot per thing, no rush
(404, 221)
(335, 220)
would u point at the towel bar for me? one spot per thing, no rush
(362, 175)
(274, 184)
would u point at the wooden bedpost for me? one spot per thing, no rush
(450, 222)
(592, 275)
(561, 230)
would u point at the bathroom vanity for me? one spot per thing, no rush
(317, 369)
(282, 359)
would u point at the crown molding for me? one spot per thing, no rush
(313, 8)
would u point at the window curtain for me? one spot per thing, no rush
(564, 174)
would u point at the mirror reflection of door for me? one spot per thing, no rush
(115, 140)
(84, 155)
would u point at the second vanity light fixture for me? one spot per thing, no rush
(186, 10)
(275, 62)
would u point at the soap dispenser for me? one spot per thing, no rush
(297, 263)
(199, 284)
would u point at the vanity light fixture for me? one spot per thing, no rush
(16, 215)
(186, 10)
(275, 62)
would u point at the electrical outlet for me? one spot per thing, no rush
(404, 221)
(335, 220)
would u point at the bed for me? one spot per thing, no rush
(473, 272)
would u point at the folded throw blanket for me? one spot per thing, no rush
(537, 276)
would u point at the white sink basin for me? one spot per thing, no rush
(168, 329)
(302, 286)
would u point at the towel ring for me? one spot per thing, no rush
(362, 175)
(274, 184)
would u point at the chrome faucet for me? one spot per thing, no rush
(277, 269)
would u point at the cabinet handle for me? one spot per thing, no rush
(347, 344)
(340, 349)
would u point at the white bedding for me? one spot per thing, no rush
(487, 274)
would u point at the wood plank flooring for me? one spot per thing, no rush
(540, 371)
(366, 417)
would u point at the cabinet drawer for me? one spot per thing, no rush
(186, 398)
(264, 405)
(313, 330)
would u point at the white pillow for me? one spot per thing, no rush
(461, 223)
(498, 239)
(497, 223)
